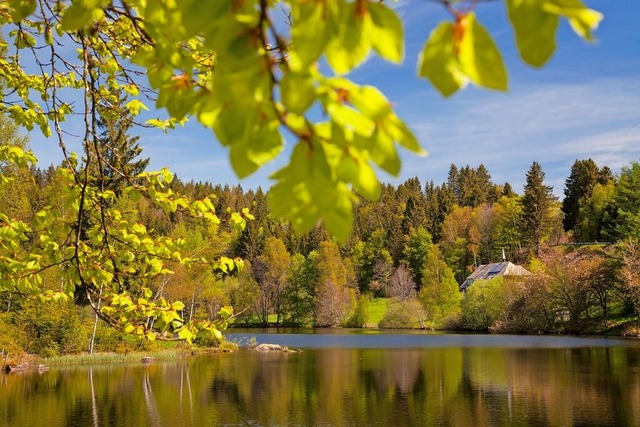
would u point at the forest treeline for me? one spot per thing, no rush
(410, 250)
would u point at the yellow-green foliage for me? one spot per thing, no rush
(403, 314)
(484, 303)
(377, 310)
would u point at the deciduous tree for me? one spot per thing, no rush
(439, 293)
(630, 272)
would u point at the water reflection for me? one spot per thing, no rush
(412, 386)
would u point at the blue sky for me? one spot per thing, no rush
(584, 103)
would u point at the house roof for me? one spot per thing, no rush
(489, 271)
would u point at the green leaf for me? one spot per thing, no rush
(308, 190)
(135, 106)
(350, 118)
(167, 175)
(185, 334)
(371, 102)
(535, 23)
(309, 34)
(384, 153)
(479, 56)
(155, 265)
(216, 333)
(235, 122)
(582, 20)
(297, 92)
(256, 150)
(351, 43)
(438, 62)
(192, 13)
(535, 30)
(387, 35)
(22, 9)
(82, 13)
(367, 182)
(400, 132)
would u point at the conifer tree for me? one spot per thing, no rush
(507, 190)
(119, 153)
(624, 219)
(536, 205)
(584, 175)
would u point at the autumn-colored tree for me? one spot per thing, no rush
(455, 241)
(335, 290)
(275, 265)
(630, 272)
(401, 284)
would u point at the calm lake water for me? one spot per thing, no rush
(348, 379)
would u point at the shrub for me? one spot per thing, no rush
(403, 314)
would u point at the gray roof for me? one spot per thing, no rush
(489, 271)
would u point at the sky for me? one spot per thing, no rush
(585, 103)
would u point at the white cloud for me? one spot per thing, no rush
(553, 124)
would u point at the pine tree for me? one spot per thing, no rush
(507, 190)
(625, 210)
(453, 182)
(584, 175)
(118, 152)
(536, 205)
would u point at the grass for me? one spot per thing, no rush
(174, 352)
(377, 310)
(110, 358)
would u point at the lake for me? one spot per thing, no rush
(348, 378)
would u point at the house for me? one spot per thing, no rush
(489, 271)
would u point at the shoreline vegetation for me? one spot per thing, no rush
(624, 328)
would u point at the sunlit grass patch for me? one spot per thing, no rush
(377, 310)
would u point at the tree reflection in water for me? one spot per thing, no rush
(456, 386)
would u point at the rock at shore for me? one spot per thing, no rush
(273, 347)
(269, 347)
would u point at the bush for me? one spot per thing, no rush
(484, 304)
(50, 329)
(403, 314)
